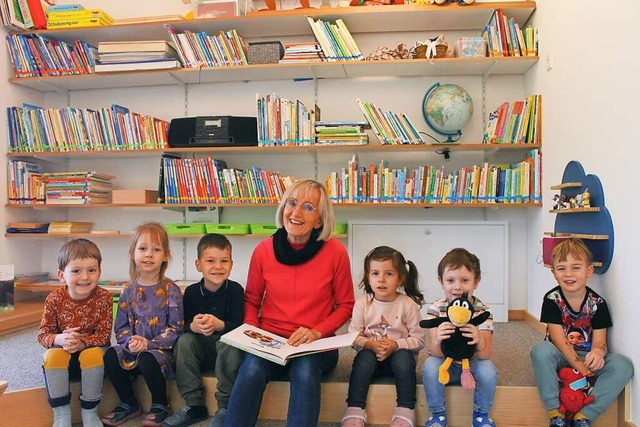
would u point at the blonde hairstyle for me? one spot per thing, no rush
(571, 246)
(302, 188)
(159, 236)
(78, 249)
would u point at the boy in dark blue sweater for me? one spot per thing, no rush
(212, 307)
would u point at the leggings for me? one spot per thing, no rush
(122, 378)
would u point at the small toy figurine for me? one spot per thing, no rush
(586, 202)
(572, 395)
(560, 202)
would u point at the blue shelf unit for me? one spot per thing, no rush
(595, 227)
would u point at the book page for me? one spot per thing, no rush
(275, 348)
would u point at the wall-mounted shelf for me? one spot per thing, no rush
(575, 210)
(254, 205)
(128, 235)
(593, 224)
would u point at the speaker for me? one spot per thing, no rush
(182, 132)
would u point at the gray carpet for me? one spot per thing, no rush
(21, 358)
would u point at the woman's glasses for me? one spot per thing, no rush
(306, 206)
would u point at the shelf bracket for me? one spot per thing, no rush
(487, 73)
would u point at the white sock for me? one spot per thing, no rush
(62, 416)
(90, 418)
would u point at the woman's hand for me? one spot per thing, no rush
(303, 336)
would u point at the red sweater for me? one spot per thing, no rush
(317, 294)
(93, 315)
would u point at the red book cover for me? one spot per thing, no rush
(37, 14)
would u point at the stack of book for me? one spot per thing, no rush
(518, 122)
(336, 40)
(24, 183)
(390, 128)
(74, 17)
(69, 227)
(302, 52)
(284, 122)
(505, 37)
(136, 55)
(35, 129)
(203, 50)
(83, 187)
(23, 14)
(341, 133)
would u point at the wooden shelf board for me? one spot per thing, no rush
(373, 146)
(575, 210)
(260, 72)
(281, 23)
(577, 235)
(566, 185)
(69, 235)
(254, 205)
(595, 264)
(25, 314)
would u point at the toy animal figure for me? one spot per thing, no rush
(456, 347)
(572, 395)
(443, 2)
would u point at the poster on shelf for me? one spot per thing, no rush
(6, 287)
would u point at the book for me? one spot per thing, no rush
(26, 14)
(134, 196)
(77, 23)
(135, 46)
(273, 347)
(64, 7)
(79, 14)
(158, 64)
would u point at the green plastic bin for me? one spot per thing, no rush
(265, 229)
(228, 228)
(185, 228)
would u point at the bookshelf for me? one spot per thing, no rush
(183, 83)
(592, 224)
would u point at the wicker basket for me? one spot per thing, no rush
(419, 52)
(265, 52)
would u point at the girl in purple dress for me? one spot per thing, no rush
(147, 326)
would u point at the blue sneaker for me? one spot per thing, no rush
(558, 422)
(440, 421)
(482, 421)
(582, 422)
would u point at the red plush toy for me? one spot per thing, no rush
(572, 395)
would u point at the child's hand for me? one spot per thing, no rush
(594, 360)
(472, 332)
(73, 343)
(444, 331)
(138, 344)
(203, 324)
(386, 348)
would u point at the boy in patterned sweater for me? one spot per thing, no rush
(76, 325)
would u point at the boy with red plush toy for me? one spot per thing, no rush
(570, 305)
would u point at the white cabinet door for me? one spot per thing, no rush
(425, 243)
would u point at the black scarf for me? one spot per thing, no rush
(285, 254)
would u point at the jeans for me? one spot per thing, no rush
(305, 374)
(401, 364)
(484, 372)
(611, 379)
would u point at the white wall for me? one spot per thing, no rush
(590, 114)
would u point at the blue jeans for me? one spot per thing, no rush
(401, 364)
(547, 361)
(305, 374)
(484, 372)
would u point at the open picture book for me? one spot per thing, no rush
(275, 348)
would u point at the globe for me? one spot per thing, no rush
(447, 109)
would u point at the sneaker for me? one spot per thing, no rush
(156, 415)
(440, 421)
(582, 422)
(482, 421)
(122, 413)
(558, 422)
(183, 418)
(218, 418)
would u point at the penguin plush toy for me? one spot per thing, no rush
(456, 347)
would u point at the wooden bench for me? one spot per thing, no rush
(514, 406)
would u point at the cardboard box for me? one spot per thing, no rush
(471, 47)
(221, 8)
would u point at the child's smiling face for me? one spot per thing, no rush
(457, 281)
(81, 277)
